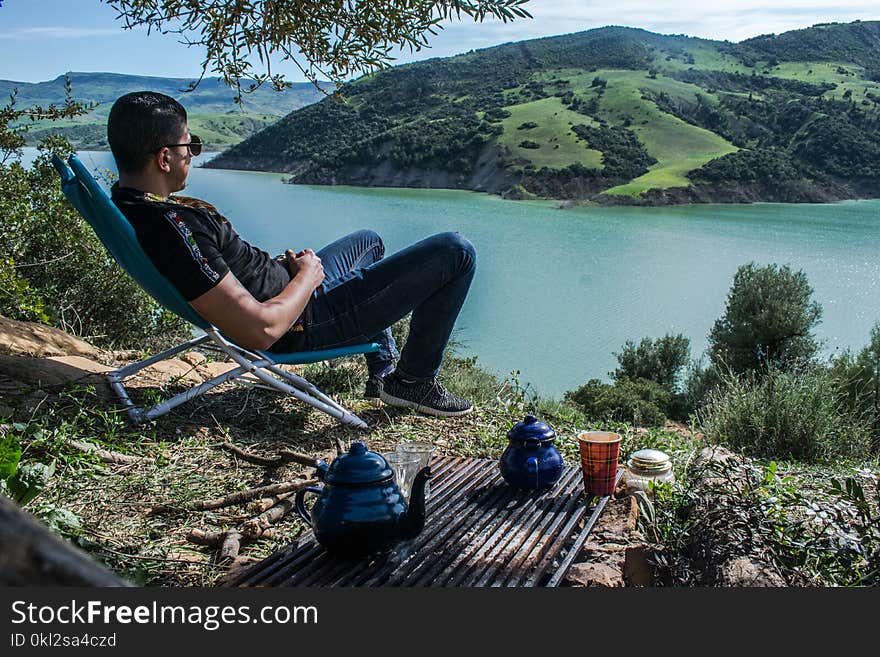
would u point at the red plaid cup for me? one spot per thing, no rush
(599, 452)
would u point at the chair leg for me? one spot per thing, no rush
(305, 385)
(301, 389)
(298, 387)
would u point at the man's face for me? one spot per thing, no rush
(180, 158)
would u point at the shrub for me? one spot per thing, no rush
(768, 321)
(783, 415)
(60, 272)
(698, 382)
(639, 401)
(858, 379)
(661, 360)
(529, 144)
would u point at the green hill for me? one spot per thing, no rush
(616, 115)
(212, 113)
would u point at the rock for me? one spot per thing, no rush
(40, 340)
(636, 569)
(215, 368)
(82, 364)
(743, 571)
(594, 574)
(193, 358)
(713, 455)
(51, 372)
(167, 371)
(707, 466)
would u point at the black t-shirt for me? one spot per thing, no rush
(194, 246)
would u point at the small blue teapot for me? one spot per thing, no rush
(360, 510)
(530, 459)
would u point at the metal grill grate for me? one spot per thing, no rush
(479, 532)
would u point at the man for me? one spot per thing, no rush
(346, 293)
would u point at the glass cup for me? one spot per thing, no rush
(424, 452)
(405, 467)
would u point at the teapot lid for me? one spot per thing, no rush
(359, 466)
(531, 429)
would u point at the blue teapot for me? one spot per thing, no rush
(530, 459)
(360, 510)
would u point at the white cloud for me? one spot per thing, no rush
(733, 20)
(35, 33)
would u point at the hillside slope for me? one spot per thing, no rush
(615, 115)
(212, 113)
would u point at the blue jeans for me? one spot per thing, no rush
(363, 294)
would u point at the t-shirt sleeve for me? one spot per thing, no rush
(188, 254)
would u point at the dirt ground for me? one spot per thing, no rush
(136, 515)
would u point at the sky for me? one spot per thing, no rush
(41, 39)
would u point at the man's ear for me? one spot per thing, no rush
(163, 160)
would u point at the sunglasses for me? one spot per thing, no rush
(194, 145)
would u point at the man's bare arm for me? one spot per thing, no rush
(254, 324)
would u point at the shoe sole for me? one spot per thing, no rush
(427, 410)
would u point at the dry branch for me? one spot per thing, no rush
(105, 454)
(284, 456)
(251, 493)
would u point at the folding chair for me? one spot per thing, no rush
(118, 236)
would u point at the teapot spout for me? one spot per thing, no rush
(413, 521)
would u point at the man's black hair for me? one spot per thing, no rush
(140, 124)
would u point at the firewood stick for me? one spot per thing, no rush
(266, 503)
(202, 537)
(284, 456)
(340, 447)
(251, 493)
(256, 527)
(231, 544)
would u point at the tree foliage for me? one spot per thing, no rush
(768, 321)
(662, 360)
(858, 379)
(639, 401)
(333, 40)
(12, 139)
(53, 268)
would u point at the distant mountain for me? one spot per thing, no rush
(614, 115)
(212, 113)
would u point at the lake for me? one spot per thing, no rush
(558, 291)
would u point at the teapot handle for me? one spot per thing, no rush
(299, 503)
(532, 465)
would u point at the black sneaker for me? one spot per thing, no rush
(372, 387)
(429, 397)
(374, 383)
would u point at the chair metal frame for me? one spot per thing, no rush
(119, 238)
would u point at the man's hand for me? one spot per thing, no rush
(305, 264)
(254, 324)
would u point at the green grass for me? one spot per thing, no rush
(678, 146)
(705, 56)
(818, 72)
(554, 129)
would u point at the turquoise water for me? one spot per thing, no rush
(558, 291)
